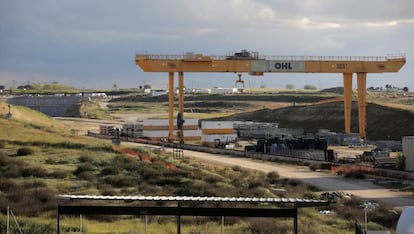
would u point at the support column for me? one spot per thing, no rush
(362, 83)
(347, 101)
(181, 101)
(171, 106)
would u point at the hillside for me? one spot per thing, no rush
(383, 123)
(39, 158)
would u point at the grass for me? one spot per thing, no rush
(82, 165)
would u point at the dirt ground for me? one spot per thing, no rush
(325, 181)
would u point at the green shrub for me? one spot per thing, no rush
(400, 165)
(86, 159)
(272, 177)
(6, 185)
(33, 171)
(24, 151)
(111, 170)
(268, 226)
(60, 174)
(313, 167)
(87, 175)
(255, 184)
(120, 181)
(84, 167)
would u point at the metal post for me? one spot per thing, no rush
(295, 222)
(80, 224)
(179, 220)
(8, 219)
(222, 224)
(366, 218)
(58, 221)
(146, 223)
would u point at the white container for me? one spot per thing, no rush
(155, 133)
(155, 122)
(192, 133)
(164, 134)
(408, 152)
(217, 124)
(221, 137)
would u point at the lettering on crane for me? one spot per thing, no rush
(283, 66)
(277, 66)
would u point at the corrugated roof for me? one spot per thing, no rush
(191, 198)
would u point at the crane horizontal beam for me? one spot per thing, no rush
(260, 65)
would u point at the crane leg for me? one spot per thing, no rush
(347, 101)
(171, 106)
(181, 101)
(362, 83)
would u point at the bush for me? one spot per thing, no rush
(6, 185)
(24, 151)
(85, 167)
(2, 144)
(119, 181)
(86, 159)
(268, 226)
(272, 177)
(34, 171)
(59, 174)
(255, 184)
(356, 174)
(313, 167)
(400, 165)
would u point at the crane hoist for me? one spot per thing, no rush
(254, 64)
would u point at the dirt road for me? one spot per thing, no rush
(325, 181)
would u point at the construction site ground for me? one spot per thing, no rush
(323, 180)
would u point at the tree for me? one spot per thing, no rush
(147, 86)
(114, 86)
(405, 89)
(309, 87)
(290, 86)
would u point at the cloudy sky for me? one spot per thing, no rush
(92, 43)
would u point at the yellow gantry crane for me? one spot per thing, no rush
(253, 64)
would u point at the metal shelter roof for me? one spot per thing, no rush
(272, 200)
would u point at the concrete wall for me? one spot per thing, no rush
(54, 106)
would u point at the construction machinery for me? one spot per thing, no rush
(254, 64)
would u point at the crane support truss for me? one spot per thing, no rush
(254, 64)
